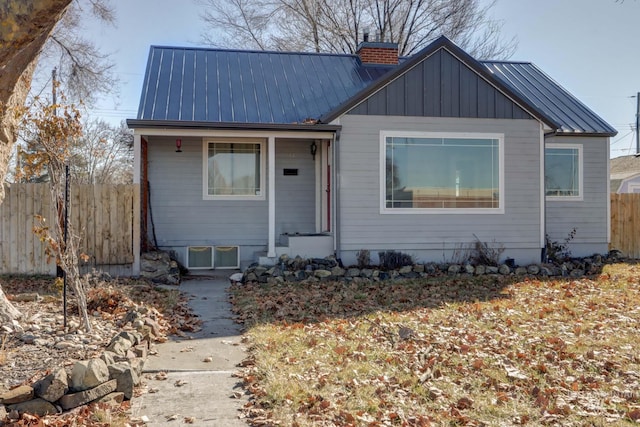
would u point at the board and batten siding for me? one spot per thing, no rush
(434, 236)
(180, 215)
(440, 86)
(589, 216)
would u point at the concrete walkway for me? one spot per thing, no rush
(193, 387)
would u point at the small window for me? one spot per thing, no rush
(233, 170)
(227, 257)
(442, 173)
(563, 172)
(199, 257)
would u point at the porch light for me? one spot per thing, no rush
(314, 149)
(178, 145)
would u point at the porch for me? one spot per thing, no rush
(266, 193)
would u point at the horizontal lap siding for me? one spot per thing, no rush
(181, 216)
(295, 194)
(589, 216)
(362, 225)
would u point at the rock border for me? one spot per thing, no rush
(330, 269)
(109, 378)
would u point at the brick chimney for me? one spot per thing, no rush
(377, 52)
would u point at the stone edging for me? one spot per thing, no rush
(328, 269)
(110, 378)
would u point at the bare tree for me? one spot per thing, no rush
(102, 154)
(338, 25)
(26, 27)
(83, 71)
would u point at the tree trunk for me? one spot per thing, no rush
(24, 28)
(8, 312)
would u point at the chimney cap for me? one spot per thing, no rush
(381, 45)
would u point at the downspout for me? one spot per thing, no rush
(335, 181)
(543, 195)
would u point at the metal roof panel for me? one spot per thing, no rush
(235, 86)
(548, 96)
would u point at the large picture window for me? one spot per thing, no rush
(442, 173)
(563, 171)
(233, 170)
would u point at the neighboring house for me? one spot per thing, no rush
(625, 174)
(254, 154)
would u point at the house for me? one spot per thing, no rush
(247, 155)
(625, 174)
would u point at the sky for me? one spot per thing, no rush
(588, 46)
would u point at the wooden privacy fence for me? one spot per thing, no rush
(625, 224)
(102, 215)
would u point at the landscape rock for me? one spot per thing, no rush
(322, 273)
(353, 272)
(126, 378)
(73, 400)
(453, 269)
(338, 271)
(119, 345)
(533, 269)
(134, 337)
(159, 267)
(17, 395)
(112, 399)
(87, 374)
(480, 270)
(53, 386)
(504, 270)
(39, 407)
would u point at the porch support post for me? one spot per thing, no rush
(135, 268)
(271, 194)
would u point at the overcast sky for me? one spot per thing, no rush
(588, 46)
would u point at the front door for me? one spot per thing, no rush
(296, 187)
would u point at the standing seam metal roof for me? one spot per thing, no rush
(547, 96)
(259, 87)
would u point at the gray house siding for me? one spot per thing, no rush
(440, 86)
(295, 194)
(590, 216)
(180, 215)
(434, 236)
(629, 185)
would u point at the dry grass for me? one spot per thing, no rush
(446, 352)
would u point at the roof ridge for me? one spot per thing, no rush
(278, 52)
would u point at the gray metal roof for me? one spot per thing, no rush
(549, 98)
(214, 85)
(218, 86)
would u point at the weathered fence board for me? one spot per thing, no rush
(625, 224)
(102, 216)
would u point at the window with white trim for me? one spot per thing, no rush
(430, 172)
(563, 171)
(233, 170)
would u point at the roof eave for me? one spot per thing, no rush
(609, 134)
(180, 124)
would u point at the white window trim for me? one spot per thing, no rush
(205, 168)
(632, 186)
(447, 211)
(580, 196)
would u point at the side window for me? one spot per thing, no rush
(563, 172)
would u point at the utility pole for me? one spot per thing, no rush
(53, 91)
(638, 123)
